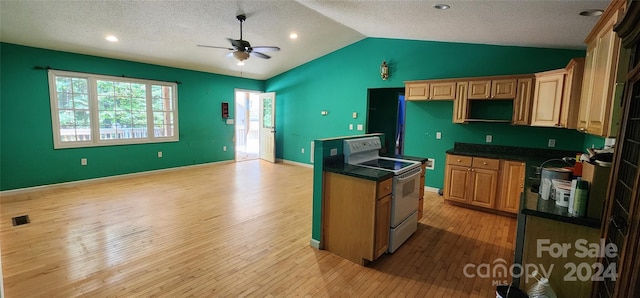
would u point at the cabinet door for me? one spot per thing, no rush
(442, 91)
(503, 89)
(587, 90)
(547, 99)
(512, 186)
(484, 187)
(460, 103)
(479, 90)
(604, 75)
(570, 97)
(417, 91)
(456, 181)
(522, 102)
(383, 223)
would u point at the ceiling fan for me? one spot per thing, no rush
(242, 49)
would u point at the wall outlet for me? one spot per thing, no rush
(224, 148)
(302, 150)
(360, 127)
(334, 151)
(159, 154)
(552, 143)
(438, 135)
(489, 139)
(230, 121)
(431, 164)
(350, 126)
(83, 161)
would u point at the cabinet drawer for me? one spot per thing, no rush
(384, 188)
(486, 163)
(459, 160)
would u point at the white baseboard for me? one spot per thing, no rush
(80, 182)
(314, 243)
(294, 163)
(431, 189)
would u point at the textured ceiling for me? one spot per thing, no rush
(167, 32)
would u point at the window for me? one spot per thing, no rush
(93, 110)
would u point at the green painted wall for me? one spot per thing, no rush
(26, 140)
(338, 82)
(592, 141)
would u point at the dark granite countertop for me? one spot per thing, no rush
(533, 156)
(335, 164)
(531, 203)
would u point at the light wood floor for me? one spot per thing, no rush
(232, 229)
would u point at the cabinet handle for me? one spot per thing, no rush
(459, 160)
(468, 169)
(387, 187)
(582, 129)
(484, 163)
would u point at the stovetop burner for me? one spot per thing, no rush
(387, 164)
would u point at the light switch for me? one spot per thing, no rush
(489, 139)
(438, 135)
(355, 115)
(350, 126)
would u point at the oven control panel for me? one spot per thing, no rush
(361, 145)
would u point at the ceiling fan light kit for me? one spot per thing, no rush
(242, 49)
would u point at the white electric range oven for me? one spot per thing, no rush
(405, 190)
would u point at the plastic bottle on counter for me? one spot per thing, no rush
(580, 198)
(577, 167)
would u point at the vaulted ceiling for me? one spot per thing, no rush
(167, 32)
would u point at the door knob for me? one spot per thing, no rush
(619, 223)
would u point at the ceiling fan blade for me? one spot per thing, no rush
(226, 48)
(266, 48)
(260, 55)
(235, 43)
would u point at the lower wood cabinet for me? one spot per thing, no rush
(484, 182)
(421, 200)
(513, 173)
(356, 217)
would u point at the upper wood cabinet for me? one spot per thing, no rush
(416, 91)
(547, 98)
(571, 96)
(556, 97)
(442, 91)
(522, 102)
(431, 90)
(600, 95)
(460, 103)
(493, 89)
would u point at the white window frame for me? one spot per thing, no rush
(94, 113)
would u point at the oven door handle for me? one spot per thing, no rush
(409, 175)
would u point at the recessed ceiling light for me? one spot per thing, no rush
(591, 13)
(441, 6)
(293, 35)
(111, 38)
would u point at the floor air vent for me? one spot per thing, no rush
(20, 220)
